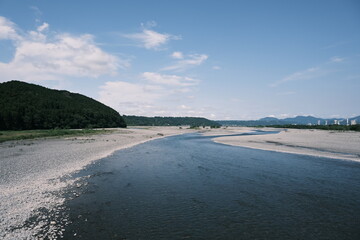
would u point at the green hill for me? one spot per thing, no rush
(26, 106)
(168, 121)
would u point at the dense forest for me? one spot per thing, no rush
(169, 121)
(26, 106)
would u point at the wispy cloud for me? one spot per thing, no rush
(151, 39)
(310, 73)
(337, 59)
(43, 56)
(37, 12)
(306, 74)
(216, 68)
(188, 62)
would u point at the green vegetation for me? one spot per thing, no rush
(30, 134)
(26, 106)
(323, 127)
(169, 121)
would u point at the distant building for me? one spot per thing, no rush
(326, 122)
(318, 122)
(353, 122)
(347, 122)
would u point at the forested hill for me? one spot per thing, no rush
(29, 106)
(169, 121)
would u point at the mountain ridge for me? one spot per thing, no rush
(298, 120)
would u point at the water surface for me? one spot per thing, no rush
(188, 187)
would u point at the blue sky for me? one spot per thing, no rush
(216, 59)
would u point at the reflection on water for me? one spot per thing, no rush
(187, 187)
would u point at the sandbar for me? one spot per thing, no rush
(322, 143)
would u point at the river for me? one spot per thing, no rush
(188, 187)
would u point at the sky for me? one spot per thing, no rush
(221, 60)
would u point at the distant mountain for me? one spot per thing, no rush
(168, 121)
(29, 106)
(303, 120)
(298, 120)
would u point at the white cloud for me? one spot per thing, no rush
(123, 92)
(177, 55)
(173, 80)
(191, 61)
(130, 98)
(43, 27)
(41, 57)
(150, 39)
(137, 98)
(158, 95)
(8, 29)
(337, 59)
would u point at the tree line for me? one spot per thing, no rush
(169, 121)
(322, 127)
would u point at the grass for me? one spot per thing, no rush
(31, 134)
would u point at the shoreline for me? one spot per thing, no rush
(319, 143)
(34, 173)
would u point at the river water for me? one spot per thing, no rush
(188, 187)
